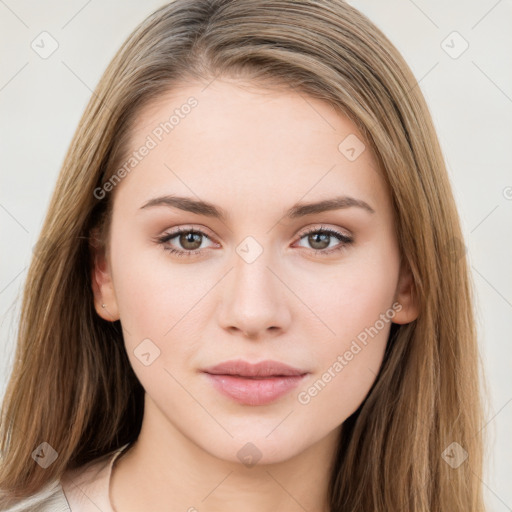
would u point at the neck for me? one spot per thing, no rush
(165, 470)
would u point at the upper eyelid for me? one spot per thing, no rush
(180, 229)
(326, 229)
(301, 234)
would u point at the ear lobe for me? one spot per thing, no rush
(406, 296)
(105, 301)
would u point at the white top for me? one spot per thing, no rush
(84, 489)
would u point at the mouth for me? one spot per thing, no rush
(254, 384)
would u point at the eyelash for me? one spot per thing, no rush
(164, 239)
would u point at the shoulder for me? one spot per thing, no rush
(81, 489)
(86, 485)
(86, 488)
(50, 498)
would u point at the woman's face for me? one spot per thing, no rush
(259, 272)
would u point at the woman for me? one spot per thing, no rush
(249, 289)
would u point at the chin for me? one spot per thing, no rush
(255, 448)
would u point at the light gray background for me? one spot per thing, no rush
(470, 98)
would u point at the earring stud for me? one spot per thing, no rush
(103, 305)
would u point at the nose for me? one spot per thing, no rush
(255, 302)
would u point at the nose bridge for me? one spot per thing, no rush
(252, 279)
(254, 300)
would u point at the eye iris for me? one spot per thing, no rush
(188, 237)
(313, 240)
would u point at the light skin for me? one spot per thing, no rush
(254, 152)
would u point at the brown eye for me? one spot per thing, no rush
(320, 239)
(188, 241)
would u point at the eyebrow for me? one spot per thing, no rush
(298, 210)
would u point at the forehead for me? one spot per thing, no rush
(232, 139)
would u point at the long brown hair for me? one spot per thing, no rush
(72, 385)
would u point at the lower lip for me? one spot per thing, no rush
(247, 391)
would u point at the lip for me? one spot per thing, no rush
(254, 384)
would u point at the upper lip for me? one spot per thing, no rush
(243, 368)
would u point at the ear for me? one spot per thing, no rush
(406, 296)
(105, 301)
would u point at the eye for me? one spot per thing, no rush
(321, 238)
(189, 239)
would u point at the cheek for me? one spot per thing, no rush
(351, 295)
(348, 365)
(159, 304)
(149, 294)
(336, 393)
(356, 304)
